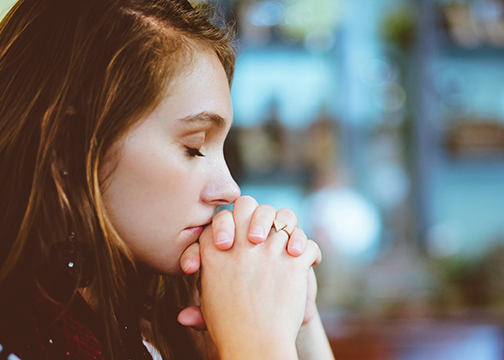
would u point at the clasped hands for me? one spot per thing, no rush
(252, 276)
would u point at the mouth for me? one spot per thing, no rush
(197, 230)
(194, 229)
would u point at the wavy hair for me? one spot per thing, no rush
(75, 75)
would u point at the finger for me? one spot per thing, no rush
(297, 243)
(243, 209)
(192, 317)
(190, 259)
(311, 296)
(223, 230)
(312, 253)
(280, 237)
(206, 240)
(261, 223)
(288, 217)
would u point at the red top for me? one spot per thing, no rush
(38, 329)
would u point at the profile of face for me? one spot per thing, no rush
(169, 173)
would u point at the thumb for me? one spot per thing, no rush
(192, 317)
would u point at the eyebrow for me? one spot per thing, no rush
(206, 117)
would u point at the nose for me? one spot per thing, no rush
(221, 189)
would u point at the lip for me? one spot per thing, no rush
(196, 230)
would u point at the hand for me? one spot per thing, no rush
(223, 230)
(254, 295)
(224, 234)
(223, 226)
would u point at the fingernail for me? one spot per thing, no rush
(222, 238)
(186, 265)
(297, 246)
(257, 231)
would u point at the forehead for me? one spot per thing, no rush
(200, 92)
(199, 97)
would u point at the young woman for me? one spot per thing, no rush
(113, 115)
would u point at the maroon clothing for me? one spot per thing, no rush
(37, 329)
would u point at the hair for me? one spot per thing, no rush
(75, 75)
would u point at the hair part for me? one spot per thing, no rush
(74, 77)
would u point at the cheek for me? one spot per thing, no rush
(150, 197)
(146, 192)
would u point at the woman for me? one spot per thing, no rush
(113, 115)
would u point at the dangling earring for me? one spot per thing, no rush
(72, 263)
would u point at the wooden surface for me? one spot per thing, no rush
(421, 339)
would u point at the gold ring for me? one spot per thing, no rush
(280, 226)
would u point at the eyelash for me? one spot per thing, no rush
(192, 152)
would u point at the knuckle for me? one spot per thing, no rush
(222, 215)
(287, 213)
(245, 199)
(264, 214)
(223, 212)
(312, 244)
(222, 222)
(267, 208)
(299, 234)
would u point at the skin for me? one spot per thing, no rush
(169, 176)
(262, 216)
(255, 306)
(162, 192)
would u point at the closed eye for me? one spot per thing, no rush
(192, 152)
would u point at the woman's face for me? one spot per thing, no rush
(170, 174)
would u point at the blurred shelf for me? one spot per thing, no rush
(476, 140)
(448, 48)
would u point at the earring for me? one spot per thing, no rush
(72, 263)
(64, 172)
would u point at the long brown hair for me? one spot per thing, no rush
(74, 76)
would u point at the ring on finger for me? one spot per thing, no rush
(281, 226)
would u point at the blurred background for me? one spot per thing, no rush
(381, 124)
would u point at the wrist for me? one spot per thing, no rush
(311, 325)
(312, 342)
(267, 348)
